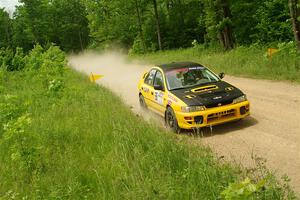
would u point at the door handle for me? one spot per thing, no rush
(151, 93)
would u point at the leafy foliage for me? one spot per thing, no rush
(51, 60)
(41, 22)
(5, 29)
(132, 24)
(243, 190)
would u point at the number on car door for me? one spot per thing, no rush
(159, 93)
(148, 90)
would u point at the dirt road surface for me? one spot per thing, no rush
(272, 131)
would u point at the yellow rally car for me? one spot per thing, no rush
(189, 95)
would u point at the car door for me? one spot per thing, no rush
(148, 90)
(159, 96)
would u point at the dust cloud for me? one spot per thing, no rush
(120, 75)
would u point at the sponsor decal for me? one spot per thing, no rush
(196, 68)
(229, 88)
(216, 98)
(158, 97)
(185, 69)
(172, 98)
(145, 89)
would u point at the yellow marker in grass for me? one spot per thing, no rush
(271, 51)
(94, 77)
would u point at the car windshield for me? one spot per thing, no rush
(189, 77)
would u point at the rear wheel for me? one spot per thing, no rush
(171, 120)
(142, 102)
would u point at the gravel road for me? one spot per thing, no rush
(272, 131)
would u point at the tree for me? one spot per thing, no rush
(149, 25)
(245, 20)
(70, 25)
(140, 23)
(157, 24)
(272, 22)
(219, 23)
(38, 19)
(225, 26)
(5, 29)
(295, 17)
(22, 35)
(62, 22)
(112, 22)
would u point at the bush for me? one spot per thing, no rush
(18, 61)
(288, 50)
(242, 190)
(34, 59)
(10, 108)
(52, 60)
(137, 47)
(11, 61)
(6, 56)
(18, 146)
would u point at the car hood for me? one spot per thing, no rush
(209, 95)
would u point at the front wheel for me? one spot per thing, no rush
(142, 102)
(171, 120)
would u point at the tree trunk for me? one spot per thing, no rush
(227, 36)
(295, 14)
(80, 40)
(7, 31)
(157, 25)
(140, 22)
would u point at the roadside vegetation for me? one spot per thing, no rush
(62, 137)
(251, 61)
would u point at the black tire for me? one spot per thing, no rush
(142, 102)
(171, 120)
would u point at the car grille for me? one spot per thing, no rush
(220, 115)
(219, 104)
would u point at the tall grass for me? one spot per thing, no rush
(62, 137)
(250, 61)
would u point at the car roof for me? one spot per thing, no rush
(178, 65)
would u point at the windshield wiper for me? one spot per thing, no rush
(178, 88)
(206, 83)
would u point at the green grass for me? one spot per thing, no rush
(71, 139)
(250, 62)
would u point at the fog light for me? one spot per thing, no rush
(198, 119)
(243, 110)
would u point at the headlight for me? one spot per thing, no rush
(240, 99)
(188, 109)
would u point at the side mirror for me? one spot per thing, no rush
(158, 87)
(222, 75)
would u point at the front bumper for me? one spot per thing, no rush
(213, 116)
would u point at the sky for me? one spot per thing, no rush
(9, 5)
